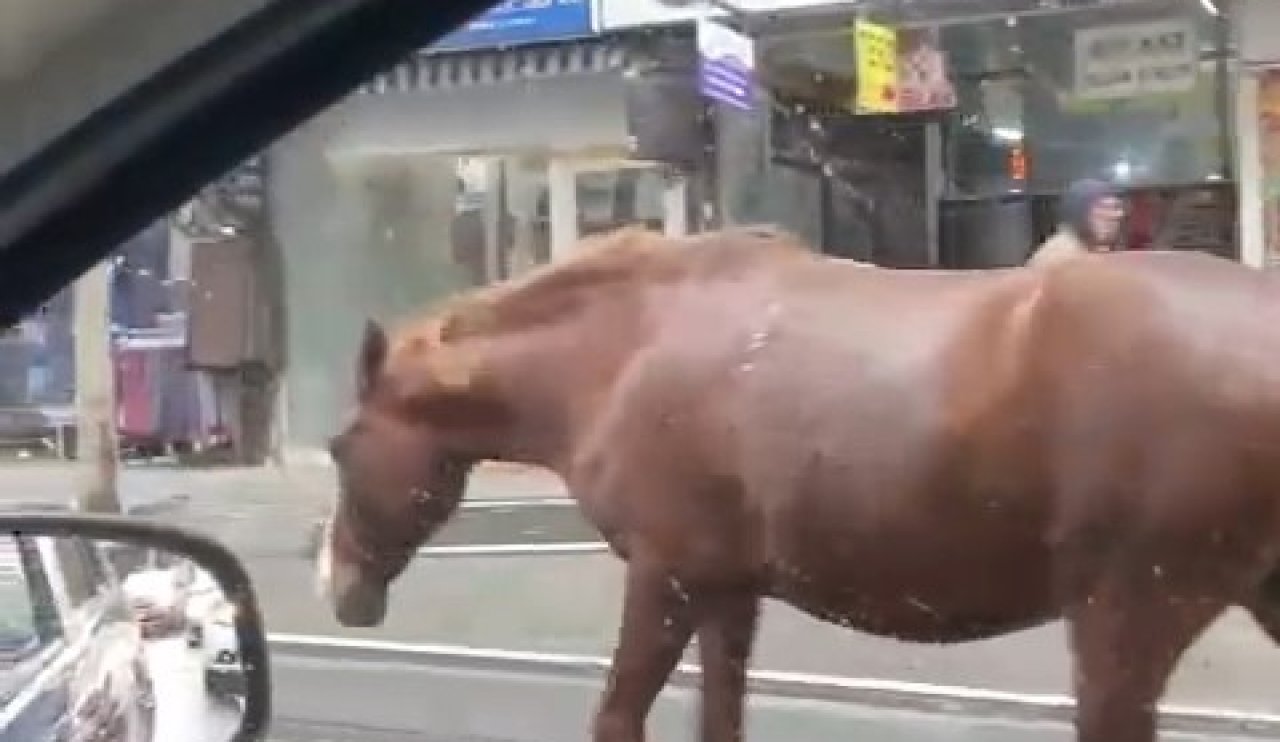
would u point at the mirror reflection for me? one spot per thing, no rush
(114, 642)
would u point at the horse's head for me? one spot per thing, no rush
(402, 466)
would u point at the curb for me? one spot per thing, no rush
(881, 694)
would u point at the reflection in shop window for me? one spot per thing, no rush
(501, 222)
(617, 197)
(1040, 81)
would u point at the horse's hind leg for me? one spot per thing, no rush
(656, 627)
(727, 621)
(1127, 640)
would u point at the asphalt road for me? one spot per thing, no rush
(570, 604)
(330, 696)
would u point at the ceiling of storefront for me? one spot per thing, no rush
(802, 16)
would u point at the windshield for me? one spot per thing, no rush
(944, 136)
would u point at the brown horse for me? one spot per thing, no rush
(931, 456)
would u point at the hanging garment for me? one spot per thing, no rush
(135, 412)
(173, 385)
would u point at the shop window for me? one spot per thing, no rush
(616, 197)
(1190, 218)
(1035, 110)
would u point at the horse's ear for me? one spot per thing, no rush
(373, 353)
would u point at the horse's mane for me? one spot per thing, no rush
(625, 256)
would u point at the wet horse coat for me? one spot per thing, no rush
(925, 455)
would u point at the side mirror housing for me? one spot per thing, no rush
(152, 602)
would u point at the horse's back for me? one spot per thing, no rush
(1161, 379)
(795, 421)
(877, 424)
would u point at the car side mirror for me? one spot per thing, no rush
(148, 650)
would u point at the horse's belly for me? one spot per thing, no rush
(946, 598)
(915, 621)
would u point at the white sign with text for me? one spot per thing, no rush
(1136, 59)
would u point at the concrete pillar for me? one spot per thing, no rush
(494, 208)
(562, 179)
(1251, 205)
(675, 205)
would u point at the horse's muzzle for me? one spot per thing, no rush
(357, 600)
(361, 605)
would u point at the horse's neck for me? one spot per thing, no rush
(556, 378)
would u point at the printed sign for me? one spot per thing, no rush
(1136, 59)
(522, 22)
(726, 65)
(1269, 146)
(924, 81)
(876, 50)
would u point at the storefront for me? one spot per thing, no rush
(941, 132)
(471, 162)
(1257, 109)
(159, 403)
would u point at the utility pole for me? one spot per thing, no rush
(97, 452)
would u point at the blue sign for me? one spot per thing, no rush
(726, 66)
(521, 22)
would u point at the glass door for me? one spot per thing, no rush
(594, 195)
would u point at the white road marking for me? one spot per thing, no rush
(324, 561)
(794, 683)
(519, 504)
(543, 549)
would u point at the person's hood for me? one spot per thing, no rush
(1079, 199)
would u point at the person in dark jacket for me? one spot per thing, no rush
(1090, 219)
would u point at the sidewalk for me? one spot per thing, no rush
(255, 512)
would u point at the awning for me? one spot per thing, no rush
(428, 71)
(902, 13)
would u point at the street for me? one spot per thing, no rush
(567, 604)
(570, 604)
(334, 695)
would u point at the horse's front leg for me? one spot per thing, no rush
(727, 623)
(656, 626)
(1127, 639)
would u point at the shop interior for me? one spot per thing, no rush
(972, 181)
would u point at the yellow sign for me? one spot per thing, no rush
(876, 49)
